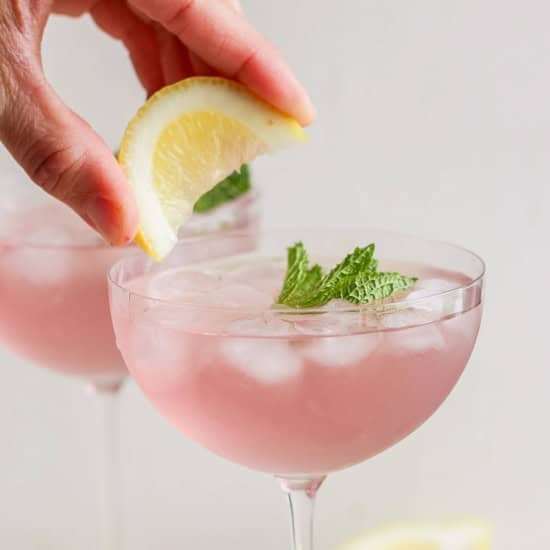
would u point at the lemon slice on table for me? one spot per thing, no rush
(464, 535)
(184, 140)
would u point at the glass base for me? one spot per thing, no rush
(301, 494)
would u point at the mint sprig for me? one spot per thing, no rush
(235, 185)
(300, 280)
(369, 287)
(355, 280)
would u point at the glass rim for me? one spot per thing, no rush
(346, 307)
(100, 244)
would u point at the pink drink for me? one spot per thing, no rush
(54, 306)
(284, 393)
(53, 296)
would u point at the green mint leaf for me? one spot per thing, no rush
(226, 190)
(370, 287)
(296, 270)
(308, 285)
(360, 260)
(298, 275)
(355, 280)
(312, 280)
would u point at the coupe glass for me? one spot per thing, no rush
(54, 306)
(298, 393)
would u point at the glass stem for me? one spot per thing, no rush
(110, 536)
(301, 498)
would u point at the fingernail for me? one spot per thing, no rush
(101, 214)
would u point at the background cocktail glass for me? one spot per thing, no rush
(295, 393)
(54, 306)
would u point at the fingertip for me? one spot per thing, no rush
(306, 113)
(128, 215)
(122, 217)
(127, 224)
(110, 207)
(269, 76)
(115, 223)
(130, 226)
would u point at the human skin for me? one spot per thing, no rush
(167, 40)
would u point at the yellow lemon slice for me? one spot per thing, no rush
(184, 140)
(463, 535)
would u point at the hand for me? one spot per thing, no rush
(167, 40)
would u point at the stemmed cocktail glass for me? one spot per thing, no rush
(298, 393)
(54, 306)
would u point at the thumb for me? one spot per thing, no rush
(63, 155)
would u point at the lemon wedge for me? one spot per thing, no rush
(184, 140)
(463, 535)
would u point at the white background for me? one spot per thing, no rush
(434, 118)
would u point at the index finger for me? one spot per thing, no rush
(228, 43)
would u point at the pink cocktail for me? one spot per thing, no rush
(53, 296)
(54, 307)
(53, 292)
(297, 393)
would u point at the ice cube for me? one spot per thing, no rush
(159, 355)
(264, 277)
(235, 295)
(55, 224)
(267, 361)
(266, 324)
(40, 266)
(418, 339)
(337, 317)
(312, 325)
(430, 292)
(184, 317)
(182, 285)
(340, 351)
(153, 343)
(50, 224)
(328, 322)
(407, 317)
(425, 287)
